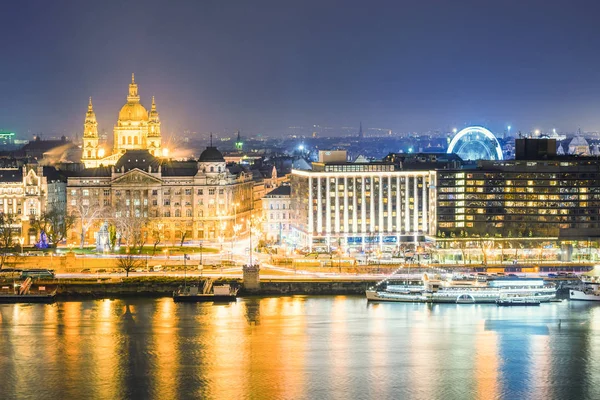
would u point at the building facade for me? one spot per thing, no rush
(278, 215)
(362, 205)
(136, 129)
(178, 201)
(528, 204)
(27, 192)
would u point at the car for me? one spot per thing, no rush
(86, 271)
(101, 271)
(552, 276)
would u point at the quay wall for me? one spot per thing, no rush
(164, 286)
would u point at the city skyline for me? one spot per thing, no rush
(212, 67)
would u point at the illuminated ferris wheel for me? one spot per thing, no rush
(475, 143)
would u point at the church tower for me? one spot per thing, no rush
(90, 146)
(131, 130)
(239, 144)
(154, 138)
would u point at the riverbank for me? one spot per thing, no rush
(164, 286)
(147, 286)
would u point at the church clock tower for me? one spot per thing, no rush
(153, 141)
(90, 147)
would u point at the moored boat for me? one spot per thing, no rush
(463, 291)
(219, 293)
(516, 300)
(588, 291)
(7, 298)
(25, 293)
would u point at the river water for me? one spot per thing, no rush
(298, 348)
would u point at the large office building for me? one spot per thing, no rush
(178, 201)
(537, 201)
(361, 206)
(520, 198)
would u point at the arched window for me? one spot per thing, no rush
(219, 169)
(123, 139)
(135, 140)
(177, 213)
(212, 169)
(89, 154)
(128, 139)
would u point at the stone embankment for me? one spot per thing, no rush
(164, 286)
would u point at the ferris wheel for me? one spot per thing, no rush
(475, 143)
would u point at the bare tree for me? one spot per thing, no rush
(86, 215)
(157, 235)
(131, 225)
(54, 224)
(183, 234)
(112, 236)
(129, 263)
(485, 244)
(7, 236)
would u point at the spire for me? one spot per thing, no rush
(360, 131)
(90, 116)
(238, 142)
(133, 91)
(211, 140)
(90, 125)
(153, 113)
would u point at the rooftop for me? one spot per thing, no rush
(284, 190)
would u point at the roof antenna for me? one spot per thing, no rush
(211, 140)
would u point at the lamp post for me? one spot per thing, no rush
(21, 240)
(185, 256)
(201, 253)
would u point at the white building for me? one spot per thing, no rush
(362, 205)
(277, 214)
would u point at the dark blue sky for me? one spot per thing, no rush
(265, 65)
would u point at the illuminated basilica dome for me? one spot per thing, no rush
(133, 112)
(136, 129)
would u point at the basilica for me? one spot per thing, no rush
(136, 129)
(177, 201)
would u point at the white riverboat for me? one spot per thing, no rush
(588, 291)
(462, 291)
(509, 300)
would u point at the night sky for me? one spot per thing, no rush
(261, 66)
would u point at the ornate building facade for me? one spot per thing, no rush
(28, 191)
(136, 129)
(177, 201)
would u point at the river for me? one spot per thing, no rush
(298, 347)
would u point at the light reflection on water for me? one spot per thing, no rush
(298, 348)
